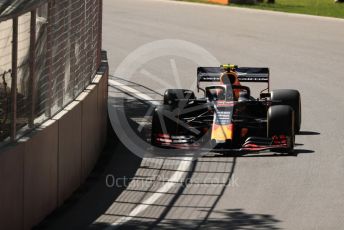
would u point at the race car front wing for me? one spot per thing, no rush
(252, 144)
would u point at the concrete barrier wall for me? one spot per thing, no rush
(42, 170)
(69, 145)
(40, 173)
(12, 187)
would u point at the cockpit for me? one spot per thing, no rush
(218, 93)
(227, 93)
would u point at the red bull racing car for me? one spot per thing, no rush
(227, 117)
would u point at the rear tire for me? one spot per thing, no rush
(293, 99)
(157, 127)
(281, 122)
(178, 97)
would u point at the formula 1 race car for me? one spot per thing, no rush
(228, 118)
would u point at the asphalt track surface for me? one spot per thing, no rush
(264, 191)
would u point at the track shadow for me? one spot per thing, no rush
(303, 151)
(192, 203)
(231, 219)
(308, 133)
(261, 154)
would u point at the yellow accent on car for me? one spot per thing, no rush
(229, 66)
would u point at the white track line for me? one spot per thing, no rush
(133, 91)
(175, 178)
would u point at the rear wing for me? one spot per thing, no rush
(245, 74)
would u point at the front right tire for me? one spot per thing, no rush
(292, 98)
(280, 121)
